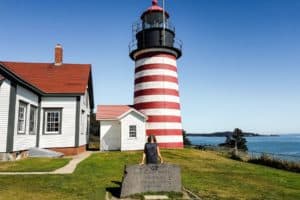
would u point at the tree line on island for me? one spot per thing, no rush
(235, 139)
(223, 134)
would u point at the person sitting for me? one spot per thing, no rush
(151, 152)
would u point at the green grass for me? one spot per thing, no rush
(205, 173)
(34, 165)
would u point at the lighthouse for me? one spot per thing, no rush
(155, 51)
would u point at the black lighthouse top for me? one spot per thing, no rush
(154, 33)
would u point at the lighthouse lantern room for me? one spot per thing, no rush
(156, 94)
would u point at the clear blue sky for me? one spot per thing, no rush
(240, 64)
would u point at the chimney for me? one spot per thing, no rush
(58, 55)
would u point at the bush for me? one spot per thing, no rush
(235, 156)
(277, 163)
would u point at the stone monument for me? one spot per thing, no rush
(150, 178)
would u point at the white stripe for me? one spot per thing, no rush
(151, 72)
(151, 98)
(161, 111)
(169, 138)
(163, 125)
(156, 84)
(149, 50)
(155, 60)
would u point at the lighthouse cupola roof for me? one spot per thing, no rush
(155, 8)
(154, 32)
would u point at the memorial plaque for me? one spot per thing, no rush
(151, 178)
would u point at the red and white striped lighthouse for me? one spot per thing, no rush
(156, 93)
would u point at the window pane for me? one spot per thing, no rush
(53, 121)
(21, 117)
(33, 120)
(132, 131)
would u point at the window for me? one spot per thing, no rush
(132, 131)
(82, 122)
(22, 117)
(88, 125)
(33, 120)
(52, 123)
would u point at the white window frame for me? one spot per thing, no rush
(23, 105)
(52, 110)
(132, 131)
(35, 117)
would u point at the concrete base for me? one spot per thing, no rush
(44, 153)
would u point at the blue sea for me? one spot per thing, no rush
(283, 146)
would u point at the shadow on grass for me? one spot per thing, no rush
(115, 191)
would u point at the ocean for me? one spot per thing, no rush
(282, 146)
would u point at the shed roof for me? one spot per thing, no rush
(115, 112)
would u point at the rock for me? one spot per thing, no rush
(151, 178)
(36, 152)
(7, 157)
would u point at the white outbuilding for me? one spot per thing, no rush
(121, 128)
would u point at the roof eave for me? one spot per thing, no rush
(18, 79)
(91, 89)
(132, 110)
(36, 90)
(107, 119)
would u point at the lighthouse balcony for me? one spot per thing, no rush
(176, 45)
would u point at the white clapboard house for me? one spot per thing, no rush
(121, 128)
(45, 105)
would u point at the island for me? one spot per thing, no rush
(225, 134)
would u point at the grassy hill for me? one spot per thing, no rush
(205, 173)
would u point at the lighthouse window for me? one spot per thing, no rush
(132, 131)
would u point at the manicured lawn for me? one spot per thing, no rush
(205, 173)
(34, 165)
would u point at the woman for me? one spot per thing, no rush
(151, 152)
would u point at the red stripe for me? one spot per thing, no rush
(164, 132)
(156, 66)
(173, 145)
(155, 54)
(165, 118)
(156, 78)
(156, 92)
(170, 105)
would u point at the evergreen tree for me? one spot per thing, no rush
(236, 140)
(186, 140)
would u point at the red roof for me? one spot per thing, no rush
(63, 79)
(154, 8)
(113, 112)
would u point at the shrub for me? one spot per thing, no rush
(277, 163)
